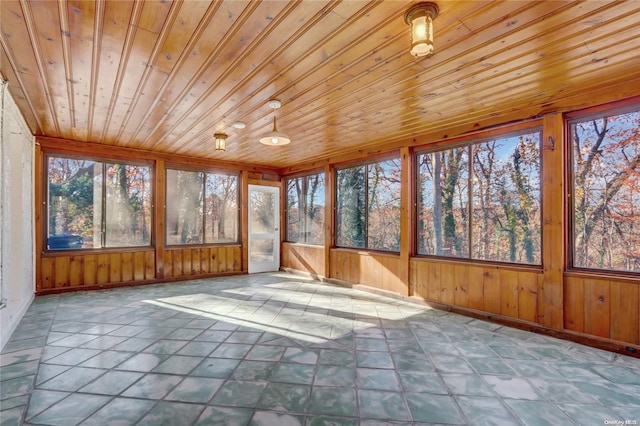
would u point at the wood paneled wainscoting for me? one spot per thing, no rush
(77, 271)
(304, 257)
(200, 261)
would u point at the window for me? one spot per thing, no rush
(481, 201)
(605, 196)
(201, 207)
(93, 204)
(305, 209)
(368, 206)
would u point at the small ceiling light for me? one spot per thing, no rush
(221, 141)
(274, 137)
(239, 125)
(420, 17)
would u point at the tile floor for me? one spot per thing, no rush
(276, 349)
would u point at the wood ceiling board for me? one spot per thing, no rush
(166, 76)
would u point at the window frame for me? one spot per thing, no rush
(205, 172)
(468, 144)
(394, 155)
(103, 232)
(286, 203)
(581, 116)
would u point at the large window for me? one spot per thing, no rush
(368, 206)
(305, 209)
(481, 201)
(606, 195)
(95, 204)
(201, 207)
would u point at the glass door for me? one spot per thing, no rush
(264, 228)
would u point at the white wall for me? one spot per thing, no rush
(17, 276)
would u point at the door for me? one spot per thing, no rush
(264, 228)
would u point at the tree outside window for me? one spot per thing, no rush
(482, 201)
(605, 195)
(93, 204)
(201, 207)
(368, 206)
(305, 209)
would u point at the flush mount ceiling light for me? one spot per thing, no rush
(420, 17)
(274, 137)
(221, 141)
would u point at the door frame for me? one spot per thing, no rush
(257, 267)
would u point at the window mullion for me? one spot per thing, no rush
(103, 220)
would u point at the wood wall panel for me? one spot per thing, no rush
(186, 262)
(61, 271)
(505, 291)
(378, 270)
(603, 307)
(303, 257)
(64, 271)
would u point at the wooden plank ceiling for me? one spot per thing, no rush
(165, 76)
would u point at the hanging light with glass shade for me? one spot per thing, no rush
(221, 141)
(420, 17)
(274, 137)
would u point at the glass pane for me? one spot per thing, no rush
(506, 200)
(606, 199)
(314, 210)
(295, 211)
(221, 221)
(262, 212)
(74, 204)
(443, 203)
(383, 222)
(261, 250)
(350, 207)
(128, 205)
(184, 207)
(305, 209)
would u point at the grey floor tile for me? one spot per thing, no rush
(382, 405)
(120, 411)
(422, 382)
(370, 378)
(72, 379)
(220, 368)
(285, 397)
(152, 386)
(254, 370)
(333, 402)
(172, 414)
(42, 399)
(434, 409)
(111, 382)
(512, 387)
(195, 389)
(483, 411)
(178, 364)
(71, 410)
(239, 394)
(267, 418)
(536, 413)
(228, 416)
(468, 384)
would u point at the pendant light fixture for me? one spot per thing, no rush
(420, 17)
(221, 141)
(274, 137)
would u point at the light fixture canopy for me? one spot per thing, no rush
(221, 141)
(274, 137)
(420, 17)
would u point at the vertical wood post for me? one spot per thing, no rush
(329, 217)
(553, 214)
(160, 186)
(38, 176)
(406, 217)
(244, 219)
